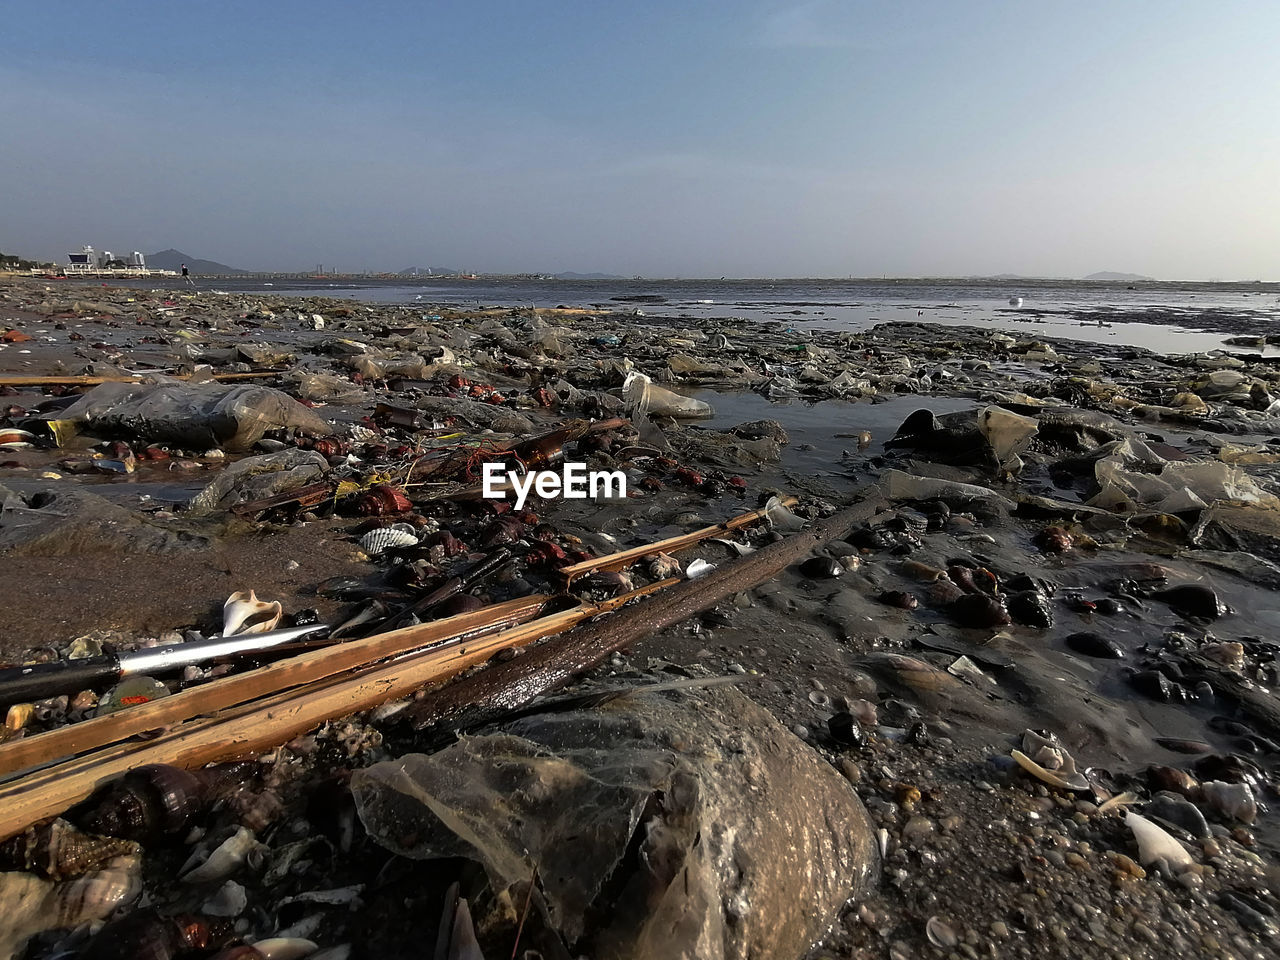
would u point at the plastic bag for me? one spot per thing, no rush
(900, 485)
(644, 851)
(643, 396)
(256, 478)
(195, 416)
(1008, 433)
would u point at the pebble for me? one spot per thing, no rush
(917, 830)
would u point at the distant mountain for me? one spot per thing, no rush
(428, 272)
(1111, 275)
(570, 275)
(174, 259)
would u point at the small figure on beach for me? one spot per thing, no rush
(186, 275)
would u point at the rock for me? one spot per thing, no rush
(751, 852)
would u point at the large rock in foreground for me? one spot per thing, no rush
(664, 825)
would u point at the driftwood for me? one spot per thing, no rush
(624, 558)
(509, 686)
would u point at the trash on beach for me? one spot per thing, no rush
(568, 793)
(644, 397)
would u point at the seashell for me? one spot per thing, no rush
(227, 858)
(741, 549)
(147, 935)
(376, 542)
(821, 568)
(698, 568)
(1155, 843)
(18, 718)
(382, 500)
(664, 565)
(229, 901)
(11, 438)
(940, 934)
(145, 803)
(505, 530)
(1178, 745)
(900, 599)
(1046, 759)
(1176, 811)
(962, 577)
(921, 572)
(33, 905)
(1094, 645)
(285, 948)
(780, 518)
(58, 851)
(1030, 608)
(1233, 799)
(865, 711)
(1118, 801)
(978, 610)
(245, 613)
(1193, 600)
(449, 545)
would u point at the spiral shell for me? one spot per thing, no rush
(58, 851)
(145, 803)
(382, 500)
(377, 542)
(33, 905)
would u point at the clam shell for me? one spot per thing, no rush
(1055, 778)
(245, 613)
(226, 859)
(698, 568)
(940, 934)
(377, 542)
(1155, 843)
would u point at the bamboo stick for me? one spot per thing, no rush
(624, 558)
(313, 665)
(253, 727)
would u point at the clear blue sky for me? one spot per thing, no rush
(744, 138)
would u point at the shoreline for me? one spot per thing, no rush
(1009, 865)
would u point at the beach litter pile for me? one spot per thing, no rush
(288, 679)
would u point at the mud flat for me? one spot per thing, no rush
(1021, 706)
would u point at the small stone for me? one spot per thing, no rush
(917, 830)
(1000, 930)
(850, 770)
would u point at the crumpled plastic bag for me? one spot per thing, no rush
(197, 416)
(662, 825)
(1129, 481)
(256, 478)
(1007, 432)
(644, 397)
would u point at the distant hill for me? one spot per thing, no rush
(1111, 275)
(570, 275)
(428, 272)
(174, 259)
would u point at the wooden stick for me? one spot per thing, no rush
(313, 665)
(487, 695)
(624, 558)
(84, 380)
(253, 727)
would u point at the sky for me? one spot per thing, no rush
(740, 138)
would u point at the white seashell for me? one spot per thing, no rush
(285, 948)
(940, 934)
(33, 905)
(1234, 799)
(229, 901)
(663, 566)
(1154, 843)
(698, 568)
(780, 518)
(1056, 778)
(1119, 800)
(226, 859)
(376, 542)
(741, 549)
(245, 613)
